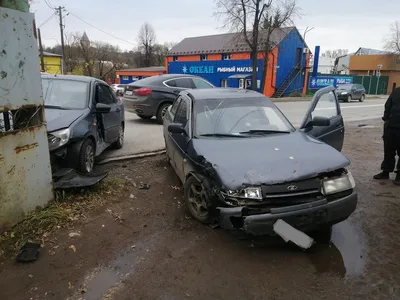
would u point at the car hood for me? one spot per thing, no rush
(266, 160)
(59, 118)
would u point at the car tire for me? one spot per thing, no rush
(161, 112)
(86, 157)
(145, 117)
(120, 142)
(362, 98)
(349, 98)
(197, 200)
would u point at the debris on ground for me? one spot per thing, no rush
(289, 233)
(144, 186)
(72, 247)
(174, 187)
(28, 252)
(74, 234)
(116, 216)
(72, 179)
(132, 196)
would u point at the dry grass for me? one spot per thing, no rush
(68, 206)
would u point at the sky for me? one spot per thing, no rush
(344, 24)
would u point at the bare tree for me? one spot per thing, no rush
(335, 53)
(278, 14)
(245, 17)
(392, 42)
(71, 52)
(147, 39)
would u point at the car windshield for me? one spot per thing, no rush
(345, 86)
(248, 116)
(65, 94)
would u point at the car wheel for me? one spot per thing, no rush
(348, 98)
(145, 117)
(197, 200)
(120, 142)
(86, 157)
(161, 112)
(362, 98)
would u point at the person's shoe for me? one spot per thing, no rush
(382, 175)
(396, 181)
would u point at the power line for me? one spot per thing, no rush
(110, 34)
(47, 20)
(48, 4)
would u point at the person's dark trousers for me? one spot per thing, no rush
(391, 146)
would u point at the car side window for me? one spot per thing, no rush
(326, 106)
(184, 83)
(106, 96)
(174, 107)
(181, 113)
(201, 84)
(171, 83)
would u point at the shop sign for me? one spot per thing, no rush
(213, 69)
(324, 81)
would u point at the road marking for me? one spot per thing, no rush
(357, 106)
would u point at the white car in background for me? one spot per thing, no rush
(118, 88)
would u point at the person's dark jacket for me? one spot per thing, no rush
(391, 115)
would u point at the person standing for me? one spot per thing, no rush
(391, 137)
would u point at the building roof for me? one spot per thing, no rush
(147, 69)
(222, 43)
(369, 51)
(50, 54)
(84, 37)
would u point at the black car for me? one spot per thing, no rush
(245, 166)
(151, 96)
(84, 117)
(349, 92)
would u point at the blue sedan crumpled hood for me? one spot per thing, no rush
(272, 159)
(59, 118)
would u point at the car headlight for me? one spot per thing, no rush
(58, 138)
(247, 193)
(337, 185)
(343, 93)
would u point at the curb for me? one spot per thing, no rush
(133, 156)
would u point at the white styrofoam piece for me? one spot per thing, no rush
(289, 233)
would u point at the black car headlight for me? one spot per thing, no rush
(340, 184)
(58, 138)
(253, 193)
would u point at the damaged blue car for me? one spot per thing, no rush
(245, 166)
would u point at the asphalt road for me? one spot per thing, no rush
(146, 135)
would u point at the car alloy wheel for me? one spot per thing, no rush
(348, 98)
(198, 201)
(164, 111)
(121, 136)
(89, 158)
(362, 98)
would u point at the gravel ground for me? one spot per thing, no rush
(158, 252)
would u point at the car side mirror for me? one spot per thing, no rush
(176, 128)
(319, 121)
(102, 108)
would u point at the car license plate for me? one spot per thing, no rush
(129, 93)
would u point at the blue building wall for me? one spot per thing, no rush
(216, 70)
(287, 61)
(129, 80)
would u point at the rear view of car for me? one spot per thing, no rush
(153, 95)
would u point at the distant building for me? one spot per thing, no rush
(325, 65)
(126, 76)
(52, 63)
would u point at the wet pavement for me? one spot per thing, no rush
(158, 252)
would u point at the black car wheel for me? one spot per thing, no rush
(362, 98)
(145, 117)
(348, 98)
(120, 142)
(197, 200)
(162, 110)
(86, 157)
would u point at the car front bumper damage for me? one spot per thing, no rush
(305, 217)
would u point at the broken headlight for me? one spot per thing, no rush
(247, 193)
(340, 184)
(58, 138)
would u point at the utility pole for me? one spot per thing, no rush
(62, 36)
(41, 51)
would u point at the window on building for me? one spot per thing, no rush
(175, 58)
(226, 56)
(224, 83)
(125, 77)
(248, 83)
(203, 57)
(241, 83)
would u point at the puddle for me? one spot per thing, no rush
(105, 278)
(345, 256)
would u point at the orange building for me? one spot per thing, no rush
(371, 65)
(131, 75)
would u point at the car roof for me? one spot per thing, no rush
(159, 79)
(221, 93)
(73, 77)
